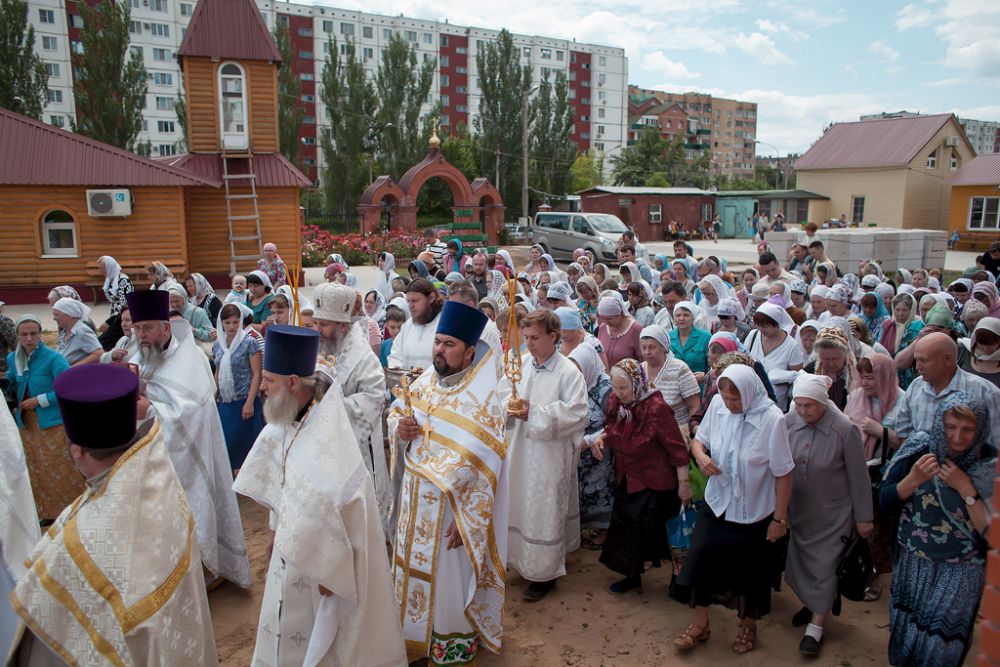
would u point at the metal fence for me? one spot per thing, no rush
(334, 223)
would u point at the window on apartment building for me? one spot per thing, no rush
(187, 9)
(600, 130)
(167, 149)
(602, 61)
(461, 70)
(585, 83)
(444, 80)
(584, 100)
(54, 96)
(585, 118)
(305, 32)
(52, 69)
(571, 93)
(857, 209)
(461, 89)
(527, 52)
(932, 160)
(165, 126)
(461, 108)
(427, 37)
(368, 53)
(135, 27)
(367, 32)
(655, 214)
(145, 125)
(386, 34)
(443, 61)
(546, 72)
(308, 141)
(309, 99)
(546, 54)
(158, 5)
(136, 51)
(410, 35)
(444, 40)
(584, 135)
(602, 79)
(309, 162)
(984, 213)
(343, 49)
(461, 50)
(49, 43)
(326, 48)
(159, 29)
(46, 16)
(57, 121)
(445, 101)
(586, 65)
(479, 46)
(309, 120)
(560, 56)
(428, 57)
(327, 26)
(75, 21)
(163, 78)
(58, 231)
(347, 29)
(164, 103)
(306, 55)
(443, 120)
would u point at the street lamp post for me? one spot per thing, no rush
(777, 156)
(524, 149)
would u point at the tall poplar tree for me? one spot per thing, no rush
(290, 109)
(23, 79)
(110, 80)
(402, 85)
(552, 147)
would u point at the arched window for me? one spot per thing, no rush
(59, 233)
(233, 107)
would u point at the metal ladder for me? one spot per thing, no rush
(240, 233)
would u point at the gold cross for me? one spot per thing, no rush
(428, 429)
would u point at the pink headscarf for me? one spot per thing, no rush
(990, 290)
(859, 406)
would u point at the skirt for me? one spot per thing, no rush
(597, 489)
(112, 334)
(240, 433)
(55, 480)
(638, 532)
(730, 564)
(932, 610)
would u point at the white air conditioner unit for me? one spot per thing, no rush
(109, 203)
(951, 141)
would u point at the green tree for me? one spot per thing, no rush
(402, 84)
(503, 82)
(290, 109)
(657, 180)
(351, 106)
(586, 172)
(461, 149)
(636, 163)
(552, 147)
(23, 79)
(110, 80)
(180, 108)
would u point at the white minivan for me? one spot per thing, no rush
(560, 233)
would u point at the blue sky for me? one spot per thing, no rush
(806, 64)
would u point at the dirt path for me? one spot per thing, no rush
(582, 624)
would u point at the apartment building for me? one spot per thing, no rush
(725, 129)
(598, 75)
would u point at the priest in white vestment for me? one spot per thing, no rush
(348, 357)
(413, 345)
(176, 382)
(19, 530)
(542, 457)
(450, 547)
(117, 579)
(327, 597)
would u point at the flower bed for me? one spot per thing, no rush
(318, 244)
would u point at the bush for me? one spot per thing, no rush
(318, 244)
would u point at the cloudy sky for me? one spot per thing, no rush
(805, 63)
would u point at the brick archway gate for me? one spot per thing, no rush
(477, 207)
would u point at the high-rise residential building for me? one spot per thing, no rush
(598, 75)
(724, 129)
(984, 135)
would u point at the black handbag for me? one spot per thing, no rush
(875, 473)
(855, 570)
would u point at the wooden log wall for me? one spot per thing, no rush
(202, 99)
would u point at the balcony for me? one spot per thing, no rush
(703, 131)
(697, 146)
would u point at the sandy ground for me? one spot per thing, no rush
(581, 624)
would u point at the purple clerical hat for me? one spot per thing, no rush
(98, 404)
(149, 305)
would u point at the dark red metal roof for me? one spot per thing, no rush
(228, 29)
(885, 142)
(34, 153)
(272, 170)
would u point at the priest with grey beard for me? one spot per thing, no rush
(349, 360)
(177, 386)
(327, 596)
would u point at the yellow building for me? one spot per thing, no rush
(891, 172)
(975, 202)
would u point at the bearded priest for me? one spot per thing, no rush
(177, 386)
(451, 536)
(327, 597)
(117, 579)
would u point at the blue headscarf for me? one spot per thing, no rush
(421, 268)
(875, 322)
(461, 251)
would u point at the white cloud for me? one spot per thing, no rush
(659, 63)
(761, 47)
(989, 112)
(886, 53)
(765, 25)
(970, 30)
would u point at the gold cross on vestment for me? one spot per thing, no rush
(428, 429)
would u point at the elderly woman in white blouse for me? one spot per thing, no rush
(77, 342)
(742, 446)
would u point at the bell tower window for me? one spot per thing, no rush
(233, 107)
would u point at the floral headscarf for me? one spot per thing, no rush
(642, 388)
(498, 288)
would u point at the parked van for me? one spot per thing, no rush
(561, 233)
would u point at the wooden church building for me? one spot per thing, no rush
(66, 200)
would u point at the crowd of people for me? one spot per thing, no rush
(418, 443)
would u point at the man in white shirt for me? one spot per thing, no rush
(771, 270)
(413, 347)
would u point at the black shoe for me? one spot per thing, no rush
(801, 617)
(836, 605)
(625, 585)
(809, 646)
(538, 590)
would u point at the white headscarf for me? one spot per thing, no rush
(202, 288)
(73, 308)
(304, 301)
(227, 384)
(112, 274)
(659, 334)
(991, 324)
(700, 320)
(722, 291)
(589, 361)
(610, 306)
(20, 355)
(263, 278)
(779, 315)
(400, 303)
(386, 275)
(807, 385)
